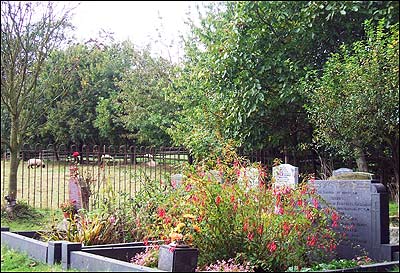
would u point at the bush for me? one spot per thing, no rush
(271, 228)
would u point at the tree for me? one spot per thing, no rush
(29, 32)
(243, 66)
(141, 106)
(355, 103)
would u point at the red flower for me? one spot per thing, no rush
(75, 154)
(311, 240)
(272, 247)
(286, 228)
(260, 229)
(250, 236)
(232, 198)
(161, 212)
(218, 200)
(245, 226)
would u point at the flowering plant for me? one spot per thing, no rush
(68, 206)
(148, 258)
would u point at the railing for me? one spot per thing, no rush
(121, 169)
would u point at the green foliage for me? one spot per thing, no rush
(355, 103)
(243, 63)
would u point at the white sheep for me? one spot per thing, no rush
(106, 157)
(35, 162)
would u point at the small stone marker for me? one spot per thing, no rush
(364, 205)
(176, 180)
(285, 175)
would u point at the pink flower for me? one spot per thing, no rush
(112, 219)
(188, 187)
(278, 210)
(272, 247)
(250, 236)
(173, 184)
(315, 203)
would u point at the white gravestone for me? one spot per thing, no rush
(250, 176)
(285, 175)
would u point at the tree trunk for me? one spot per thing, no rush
(14, 161)
(361, 160)
(394, 144)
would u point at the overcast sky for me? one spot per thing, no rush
(135, 20)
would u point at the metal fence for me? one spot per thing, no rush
(122, 169)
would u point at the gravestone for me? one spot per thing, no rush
(176, 180)
(250, 175)
(341, 171)
(285, 175)
(215, 175)
(75, 192)
(364, 207)
(348, 174)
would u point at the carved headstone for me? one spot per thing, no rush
(285, 175)
(364, 206)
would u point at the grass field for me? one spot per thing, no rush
(48, 187)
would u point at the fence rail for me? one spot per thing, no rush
(121, 169)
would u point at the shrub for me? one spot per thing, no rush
(271, 228)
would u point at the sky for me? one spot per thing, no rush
(137, 21)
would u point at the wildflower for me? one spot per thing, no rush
(179, 227)
(112, 219)
(161, 212)
(311, 240)
(173, 184)
(272, 247)
(286, 228)
(232, 198)
(335, 218)
(196, 228)
(315, 203)
(278, 210)
(218, 200)
(175, 236)
(188, 187)
(260, 229)
(250, 236)
(245, 226)
(189, 216)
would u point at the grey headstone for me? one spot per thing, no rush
(365, 207)
(285, 175)
(341, 170)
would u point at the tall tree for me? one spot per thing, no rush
(355, 104)
(29, 32)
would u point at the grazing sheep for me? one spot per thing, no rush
(106, 157)
(151, 163)
(35, 162)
